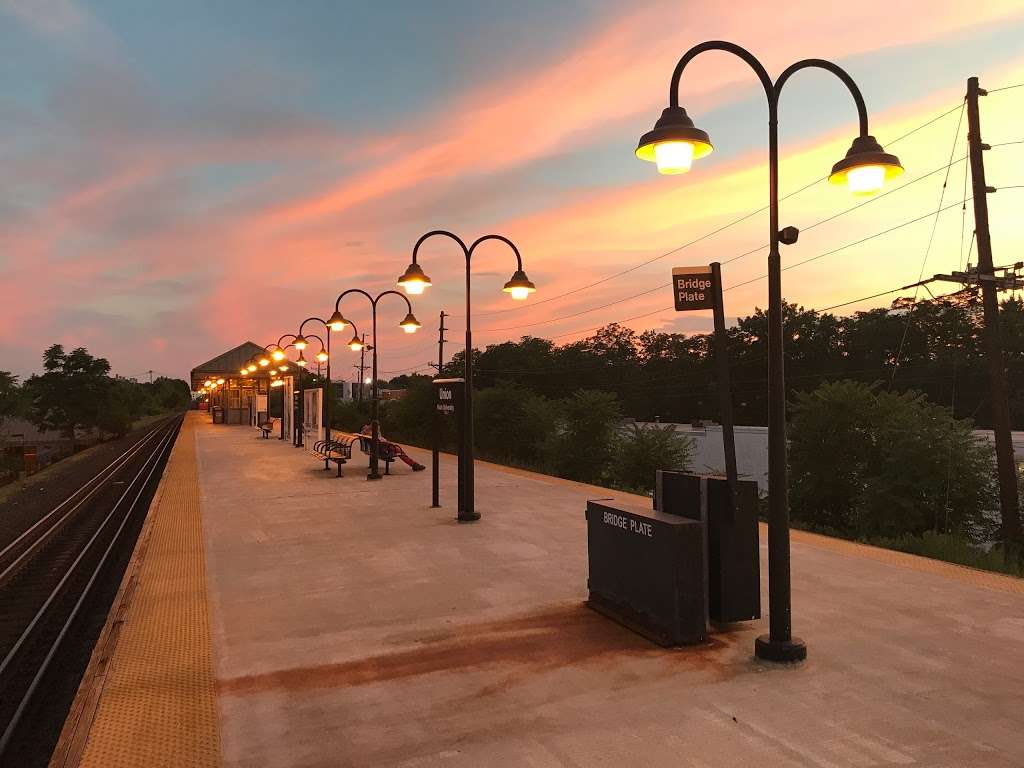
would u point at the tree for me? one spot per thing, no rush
(642, 450)
(10, 396)
(511, 424)
(582, 444)
(870, 463)
(72, 393)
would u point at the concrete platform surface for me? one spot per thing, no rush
(353, 625)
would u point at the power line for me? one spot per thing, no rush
(732, 259)
(928, 247)
(708, 234)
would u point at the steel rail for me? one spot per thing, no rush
(92, 486)
(148, 468)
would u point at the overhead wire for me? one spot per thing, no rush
(928, 247)
(707, 235)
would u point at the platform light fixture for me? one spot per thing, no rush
(337, 321)
(673, 144)
(356, 344)
(409, 324)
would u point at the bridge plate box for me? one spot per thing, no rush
(733, 551)
(647, 571)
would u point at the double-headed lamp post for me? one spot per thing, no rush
(337, 322)
(674, 144)
(301, 342)
(519, 287)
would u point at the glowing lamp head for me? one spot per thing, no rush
(244, 372)
(220, 382)
(413, 281)
(355, 344)
(519, 286)
(321, 356)
(300, 342)
(251, 367)
(277, 353)
(410, 324)
(283, 367)
(207, 383)
(866, 167)
(367, 380)
(337, 321)
(301, 362)
(264, 361)
(674, 143)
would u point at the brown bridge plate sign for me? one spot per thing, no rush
(693, 288)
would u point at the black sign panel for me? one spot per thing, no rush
(693, 288)
(647, 571)
(449, 413)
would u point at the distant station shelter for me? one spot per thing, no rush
(241, 399)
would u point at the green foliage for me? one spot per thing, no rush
(411, 418)
(511, 424)
(10, 396)
(644, 449)
(76, 393)
(869, 463)
(954, 548)
(349, 415)
(581, 445)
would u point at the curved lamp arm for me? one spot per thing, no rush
(343, 294)
(311, 319)
(719, 45)
(402, 296)
(771, 90)
(835, 69)
(444, 233)
(502, 238)
(314, 336)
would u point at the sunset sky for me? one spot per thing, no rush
(183, 176)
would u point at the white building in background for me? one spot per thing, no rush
(752, 449)
(349, 390)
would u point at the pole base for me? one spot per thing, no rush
(374, 476)
(782, 651)
(468, 517)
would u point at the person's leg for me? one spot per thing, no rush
(406, 458)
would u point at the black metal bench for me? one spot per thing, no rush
(267, 427)
(338, 451)
(388, 451)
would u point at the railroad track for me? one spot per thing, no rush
(50, 574)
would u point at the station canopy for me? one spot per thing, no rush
(225, 365)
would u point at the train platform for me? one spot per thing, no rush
(279, 616)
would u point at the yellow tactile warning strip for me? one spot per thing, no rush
(962, 573)
(157, 704)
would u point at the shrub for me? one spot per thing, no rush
(511, 424)
(868, 463)
(581, 444)
(643, 450)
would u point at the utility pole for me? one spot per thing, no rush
(150, 376)
(440, 343)
(991, 335)
(435, 452)
(362, 368)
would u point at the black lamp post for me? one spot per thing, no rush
(673, 144)
(301, 343)
(303, 340)
(414, 281)
(337, 322)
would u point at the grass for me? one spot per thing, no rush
(956, 549)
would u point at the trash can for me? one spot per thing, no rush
(218, 414)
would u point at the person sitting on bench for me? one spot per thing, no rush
(367, 431)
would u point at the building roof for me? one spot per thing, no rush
(229, 362)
